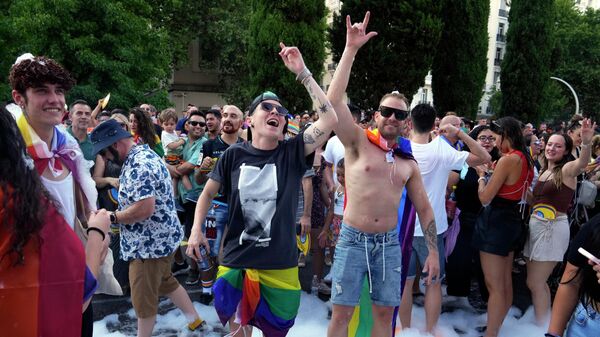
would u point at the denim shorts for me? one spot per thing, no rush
(214, 225)
(419, 254)
(584, 322)
(374, 256)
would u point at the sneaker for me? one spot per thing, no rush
(197, 324)
(520, 261)
(179, 269)
(302, 260)
(192, 278)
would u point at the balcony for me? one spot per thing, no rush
(500, 37)
(498, 62)
(503, 13)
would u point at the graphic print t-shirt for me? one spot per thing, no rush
(261, 188)
(215, 148)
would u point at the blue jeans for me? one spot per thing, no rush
(420, 252)
(376, 256)
(585, 322)
(214, 225)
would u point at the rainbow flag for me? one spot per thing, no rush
(266, 299)
(43, 296)
(293, 127)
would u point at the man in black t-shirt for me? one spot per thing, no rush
(261, 181)
(216, 219)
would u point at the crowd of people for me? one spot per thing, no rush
(122, 201)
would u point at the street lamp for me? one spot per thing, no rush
(572, 91)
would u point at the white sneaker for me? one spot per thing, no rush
(301, 260)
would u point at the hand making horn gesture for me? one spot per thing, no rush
(356, 34)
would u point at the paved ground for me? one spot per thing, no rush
(105, 305)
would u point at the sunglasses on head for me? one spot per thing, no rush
(268, 107)
(388, 112)
(194, 123)
(496, 128)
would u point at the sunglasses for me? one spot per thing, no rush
(388, 112)
(496, 128)
(194, 123)
(268, 107)
(489, 139)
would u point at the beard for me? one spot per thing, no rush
(229, 129)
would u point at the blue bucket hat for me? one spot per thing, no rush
(106, 134)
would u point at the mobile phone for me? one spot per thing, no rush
(588, 255)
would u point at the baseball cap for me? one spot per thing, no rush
(106, 134)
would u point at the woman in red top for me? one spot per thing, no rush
(498, 226)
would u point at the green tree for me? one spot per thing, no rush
(460, 61)
(108, 46)
(577, 59)
(399, 57)
(525, 70)
(224, 46)
(296, 23)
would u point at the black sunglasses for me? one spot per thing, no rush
(194, 123)
(268, 107)
(387, 112)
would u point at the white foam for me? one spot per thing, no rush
(312, 322)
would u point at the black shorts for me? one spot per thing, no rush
(498, 228)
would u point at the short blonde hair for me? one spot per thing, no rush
(168, 114)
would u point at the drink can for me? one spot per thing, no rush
(206, 263)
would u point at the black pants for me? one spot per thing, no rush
(464, 262)
(87, 323)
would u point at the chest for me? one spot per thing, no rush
(374, 164)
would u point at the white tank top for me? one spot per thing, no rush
(62, 192)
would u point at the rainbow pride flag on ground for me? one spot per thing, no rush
(266, 299)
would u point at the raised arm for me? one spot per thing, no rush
(575, 167)
(356, 37)
(318, 133)
(478, 154)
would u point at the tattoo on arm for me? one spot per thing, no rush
(430, 235)
(317, 132)
(308, 139)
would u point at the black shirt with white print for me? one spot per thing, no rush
(262, 189)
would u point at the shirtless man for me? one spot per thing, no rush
(375, 177)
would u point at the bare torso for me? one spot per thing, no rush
(373, 187)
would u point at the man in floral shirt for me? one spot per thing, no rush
(150, 230)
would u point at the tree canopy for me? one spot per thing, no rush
(460, 62)
(125, 47)
(295, 23)
(525, 73)
(399, 57)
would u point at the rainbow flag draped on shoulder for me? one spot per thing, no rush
(362, 319)
(266, 299)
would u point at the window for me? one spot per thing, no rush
(501, 29)
(424, 96)
(498, 53)
(496, 77)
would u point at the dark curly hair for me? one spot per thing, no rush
(145, 128)
(34, 73)
(24, 201)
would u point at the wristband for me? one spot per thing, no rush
(480, 179)
(304, 74)
(113, 218)
(550, 335)
(96, 229)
